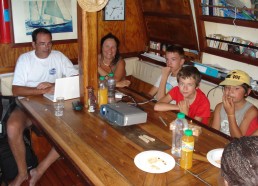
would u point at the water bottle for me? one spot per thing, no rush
(111, 88)
(178, 127)
(103, 91)
(186, 160)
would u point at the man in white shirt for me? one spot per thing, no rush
(35, 74)
(175, 59)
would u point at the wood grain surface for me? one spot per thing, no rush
(105, 156)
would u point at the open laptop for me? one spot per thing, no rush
(67, 87)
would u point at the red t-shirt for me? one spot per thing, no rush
(200, 106)
(253, 126)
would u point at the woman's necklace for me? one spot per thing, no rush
(105, 63)
(107, 66)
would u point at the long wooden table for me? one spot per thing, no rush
(104, 154)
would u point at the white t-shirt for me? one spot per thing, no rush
(171, 82)
(31, 70)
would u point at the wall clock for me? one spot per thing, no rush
(114, 10)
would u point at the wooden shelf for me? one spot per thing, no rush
(230, 21)
(224, 20)
(229, 55)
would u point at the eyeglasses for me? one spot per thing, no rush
(42, 44)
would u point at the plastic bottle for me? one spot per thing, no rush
(111, 88)
(186, 160)
(103, 91)
(179, 125)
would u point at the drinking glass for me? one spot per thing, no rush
(59, 106)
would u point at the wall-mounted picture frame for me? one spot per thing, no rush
(58, 16)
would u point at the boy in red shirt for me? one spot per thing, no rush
(189, 98)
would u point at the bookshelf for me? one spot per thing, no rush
(159, 49)
(202, 17)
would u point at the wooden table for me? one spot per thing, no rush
(104, 154)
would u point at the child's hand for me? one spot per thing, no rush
(228, 105)
(165, 71)
(184, 106)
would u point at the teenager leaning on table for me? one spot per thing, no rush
(175, 58)
(190, 100)
(234, 114)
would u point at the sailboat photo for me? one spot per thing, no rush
(49, 13)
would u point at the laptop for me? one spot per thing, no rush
(67, 87)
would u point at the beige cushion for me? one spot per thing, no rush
(143, 70)
(6, 84)
(129, 65)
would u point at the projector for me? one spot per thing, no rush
(123, 114)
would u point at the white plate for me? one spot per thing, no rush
(214, 157)
(153, 161)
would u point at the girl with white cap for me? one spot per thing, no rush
(233, 115)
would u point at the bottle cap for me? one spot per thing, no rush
(180, 115)
(102, 78)
(188, 132)
(111, 74)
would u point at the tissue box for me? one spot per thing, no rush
(197, 130)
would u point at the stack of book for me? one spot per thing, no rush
(232, 44)
(237, 9)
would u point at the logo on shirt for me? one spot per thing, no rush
(168, 87)
(52, 71)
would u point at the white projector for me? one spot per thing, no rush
(123, 114)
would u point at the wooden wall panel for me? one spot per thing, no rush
(131, 33)
(171, 30)
(181, 7)
(8, 57)
(170, 22)
(9, 54)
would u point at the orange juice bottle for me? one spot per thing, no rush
(103, 91)
(187, 149)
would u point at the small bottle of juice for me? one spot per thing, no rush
(103, 91)
(187, 149)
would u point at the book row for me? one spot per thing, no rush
(237, 9)
(233, 44)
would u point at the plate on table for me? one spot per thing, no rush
(214, 157)
(153, 161)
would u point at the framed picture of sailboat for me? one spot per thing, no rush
(58, 16)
